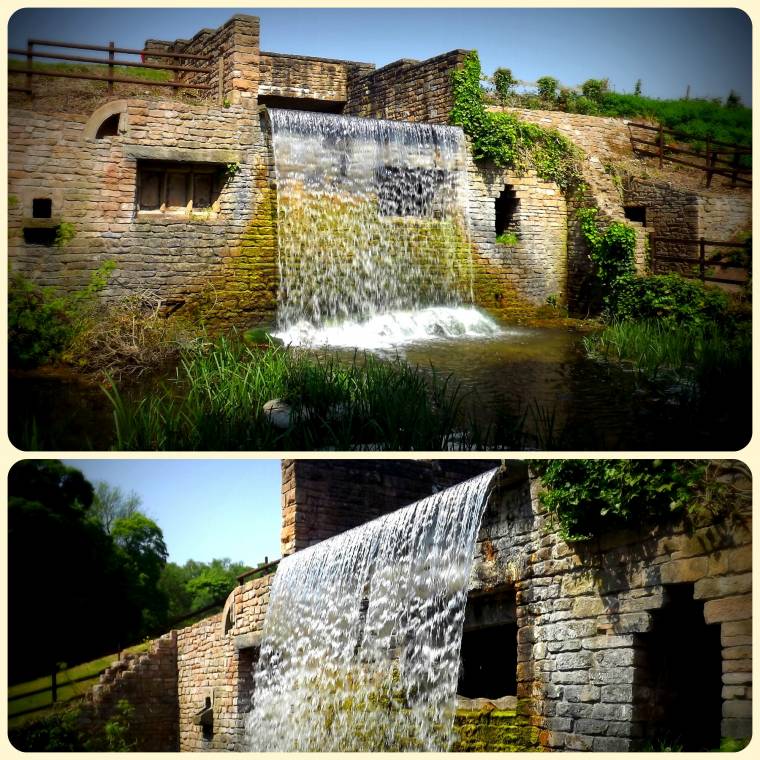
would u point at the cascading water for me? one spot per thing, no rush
(361, 640)
(372, 231)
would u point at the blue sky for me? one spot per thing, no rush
(207, 508)
(668, 49)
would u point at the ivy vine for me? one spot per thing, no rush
(612, 252)
(505, 140)
(588, 497)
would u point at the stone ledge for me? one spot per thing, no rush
(194, 155)
(247, 641)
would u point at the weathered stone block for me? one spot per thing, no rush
(728, 609)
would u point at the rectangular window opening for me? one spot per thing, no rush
(177, 187)
(42, 208)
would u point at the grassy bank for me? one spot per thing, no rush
(702, 359)
(216, 402)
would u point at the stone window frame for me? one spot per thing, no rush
(170, 175)
(219, 159)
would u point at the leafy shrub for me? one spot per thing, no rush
(593, 89)
(547, 88)
(590, 496)
(670, 298)
(504, 84)
(42, 322)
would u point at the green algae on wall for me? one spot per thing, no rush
(493, 730)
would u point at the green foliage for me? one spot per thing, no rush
(42, 322)
(111, 503)
(611, 252)
(196, 585)
(588, 497)
(218, 398)
(64, 234)
(504, 139)
(232, 168)
(117, 728)
(697, 118)
(547, 88)
(59, 732)
(701, 358)
(672, 299)
(508, 238)
(504, 84)
(53, 535)
(593, 89)
(729, 744)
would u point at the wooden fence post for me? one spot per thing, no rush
(54, 685)
(735, 167)
(661, 141)
(110, 67)
(29, 63)
(702, 259)
(708, 162)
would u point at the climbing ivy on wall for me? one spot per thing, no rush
(505, 140)
(611, 251)
(588, 497)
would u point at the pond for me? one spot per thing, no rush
(531, 387)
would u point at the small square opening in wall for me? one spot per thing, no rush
(636, 214)
(42, 208)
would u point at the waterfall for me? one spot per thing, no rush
(372, 229)
(361, 641)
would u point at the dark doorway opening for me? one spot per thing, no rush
(488, 660)
(680, 670)
(506, 206)
(636, 214)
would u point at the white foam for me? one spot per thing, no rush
(394, 329)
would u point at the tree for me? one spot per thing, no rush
(504, 84)
(593, 89)
(733, 100)
(637, 88)
(64, 576)
(140, 544)
(198, 584)
(547, 88)
(75, 592)
(111, 503)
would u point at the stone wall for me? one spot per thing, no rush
(673, 212)
(586, 614)
(234, 64)
(514, 279)
(406, 90)
(215, 660)
(148, 681)
(221, 260)
(306, 77)
(323, 498)
(603, 141)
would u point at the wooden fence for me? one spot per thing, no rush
(700, 260)
(180, 63)
(712, 158)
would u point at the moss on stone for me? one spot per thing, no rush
(493, 730)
